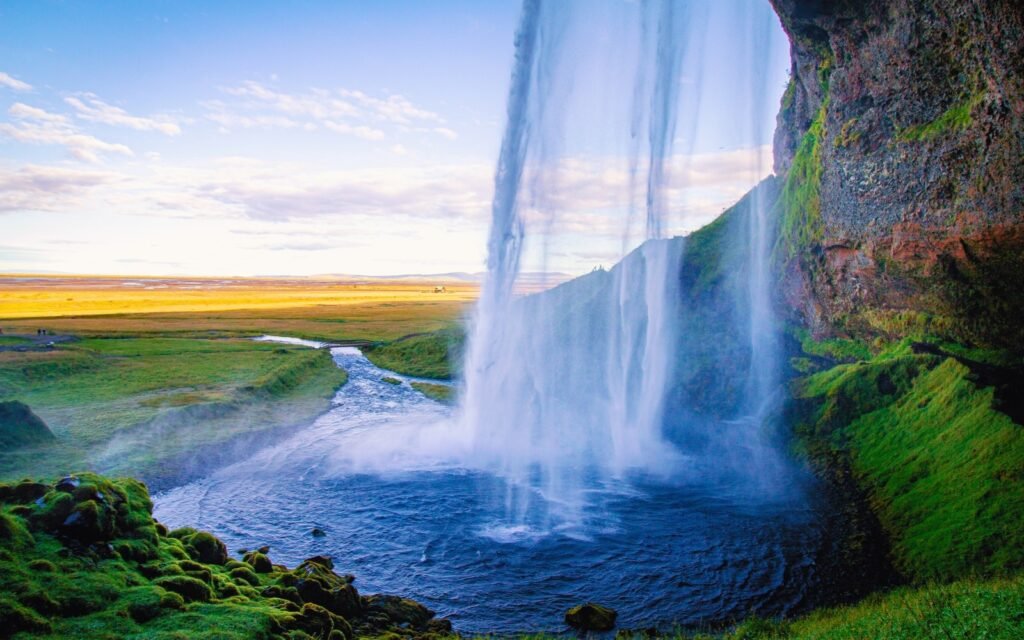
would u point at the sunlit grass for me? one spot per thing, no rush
(944, 468)
(162, 396)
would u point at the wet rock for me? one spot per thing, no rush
(317, 532)
(68, 484)
(591, 617)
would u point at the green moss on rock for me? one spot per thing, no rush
(108, 574)
(943, 467)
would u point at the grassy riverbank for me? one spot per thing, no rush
(159, 407)
(157, 377)
(426, 355)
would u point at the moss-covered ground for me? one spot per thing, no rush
(83, 558)
(967, 609)
(942, 465)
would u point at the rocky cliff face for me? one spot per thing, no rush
(900, 139)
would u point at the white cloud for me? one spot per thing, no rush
(26, 112)
(364, 132)
(344, 111)
(317, 104)
(222, 114)
(13, 83)
(395, 108)
(91, 108)
(41, 188)
(37, 126)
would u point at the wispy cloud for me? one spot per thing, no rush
(395, 108)
(344, 111)
(41, 188)
(269, 192)
(13, 83)
(360, 131)
(90, 107)
(38, 126)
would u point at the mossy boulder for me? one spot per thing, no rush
(318, 622)
(20, 427)
(260, 563)
(90, 509)
(24, 492)
(206, 547)
(316, 582)
(189, 588)
(591, 617)
(244, 574)
(398, 611)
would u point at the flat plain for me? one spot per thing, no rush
(157, 377)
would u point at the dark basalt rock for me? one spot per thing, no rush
(591, 617)
(921, 201)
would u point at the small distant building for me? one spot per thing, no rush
(440, 289)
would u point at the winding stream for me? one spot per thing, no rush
(436, 530)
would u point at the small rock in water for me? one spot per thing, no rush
(317, 532)
(265, 549)
(591, 617)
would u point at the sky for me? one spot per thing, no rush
(302, 138)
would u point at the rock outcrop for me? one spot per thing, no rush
(900, 139)
(20, 427)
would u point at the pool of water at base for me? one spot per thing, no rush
(661, 553)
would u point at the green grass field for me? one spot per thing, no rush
(127, 405)
(155, 379)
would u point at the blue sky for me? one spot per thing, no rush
(250, 138)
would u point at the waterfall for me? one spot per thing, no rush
(567, 390)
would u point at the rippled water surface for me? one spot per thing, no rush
(421, 526)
